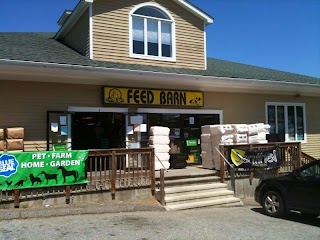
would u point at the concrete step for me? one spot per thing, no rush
(191, 197)
(186, 181)
(225, 202)
(195, 187)
(191, 175)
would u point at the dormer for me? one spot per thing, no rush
(166, 33)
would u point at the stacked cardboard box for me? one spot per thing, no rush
(159, 140)
(14, 139)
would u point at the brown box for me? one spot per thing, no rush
(14, 144)
(1, 134)
(15, 133)
(1, 145)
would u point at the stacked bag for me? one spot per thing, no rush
(212, 136)
(1, 140)
(14, 139)
(215, 135)
(160, 141)
(257, 133)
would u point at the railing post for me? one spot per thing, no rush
(68, 194)
(162, 192)
(299, 156)
(222, 168)
(152, 174)
(251, 177)
(16, 198)
(233, 179)
(113, 175)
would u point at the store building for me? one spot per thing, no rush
(115, 68)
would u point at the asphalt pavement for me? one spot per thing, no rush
(241, 223)
(113, 206)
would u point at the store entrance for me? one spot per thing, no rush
(185, 132)
(98, 130)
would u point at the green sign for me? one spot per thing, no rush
(59, 147)
(192, 142)
(42, 169)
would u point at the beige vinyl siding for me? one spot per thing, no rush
(111, 34)
(78, 36)
(25, 104)
(250, 108)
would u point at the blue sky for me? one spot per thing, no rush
(278, 34)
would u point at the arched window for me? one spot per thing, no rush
(152, 33)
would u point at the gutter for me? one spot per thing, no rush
(78, 74)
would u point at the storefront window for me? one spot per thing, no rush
(185, 131)
(287, 120)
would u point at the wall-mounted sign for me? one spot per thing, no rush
(137, 96)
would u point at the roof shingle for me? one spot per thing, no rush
(41, 47)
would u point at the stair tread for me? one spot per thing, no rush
(194, 175)
(195, 195)
(196, 187)
(197, 204)
(184, 180)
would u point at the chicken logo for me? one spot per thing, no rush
(115, 96)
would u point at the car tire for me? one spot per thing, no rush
(273, 204)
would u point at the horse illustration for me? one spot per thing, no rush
(50, 176)
(66, 173)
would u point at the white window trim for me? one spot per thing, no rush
(286, 105)
(97, 109)
(173, 32)
(182, 111)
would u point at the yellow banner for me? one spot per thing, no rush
(138, 96)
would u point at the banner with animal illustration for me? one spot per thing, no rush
(19, 170)
(255, 158)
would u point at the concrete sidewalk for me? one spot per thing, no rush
(78, 209)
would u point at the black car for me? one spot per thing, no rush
(298, 190)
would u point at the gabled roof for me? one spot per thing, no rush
(195, 10)
(84, 4)
(42, 48)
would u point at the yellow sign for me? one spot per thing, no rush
(152, 97)
(237, 156)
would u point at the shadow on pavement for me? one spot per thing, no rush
(295, 217)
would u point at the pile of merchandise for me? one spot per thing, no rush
(212, 136)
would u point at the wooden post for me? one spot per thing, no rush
(113, 175)
(233, 180)
(68, 194)
(16, 198)
(152, 173)
(222, 169)
(298, 160)
(251, 177)
(162, 192)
